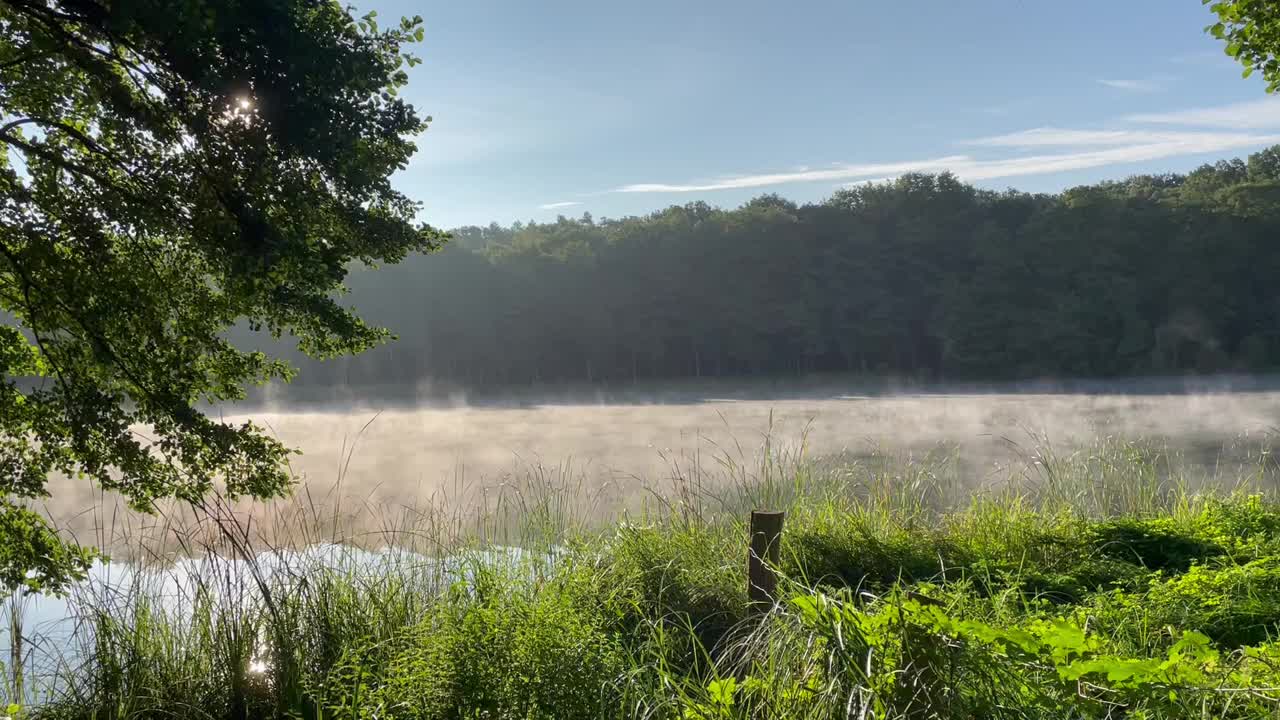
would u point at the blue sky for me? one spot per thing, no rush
(565, 106)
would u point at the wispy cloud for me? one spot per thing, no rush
(558, 205)
(1142, 86)
(970, 168)
(837, 173)
(1065, 137)
(1205, 58)
(1069, 149)
(1251, 115)
(866, 181)
(1121, 155)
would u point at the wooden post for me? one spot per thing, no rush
(766, 549)
(16, 661)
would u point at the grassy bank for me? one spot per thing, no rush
(1097, 584)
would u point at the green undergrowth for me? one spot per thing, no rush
(1041, 603)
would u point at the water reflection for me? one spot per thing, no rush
(57, 632)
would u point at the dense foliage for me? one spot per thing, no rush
(169, 169)
(1251, 30)
(925, 276)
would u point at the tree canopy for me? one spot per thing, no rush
(924, 277)
(1251, 30)
(171, 169)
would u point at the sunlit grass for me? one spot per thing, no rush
(899, 574)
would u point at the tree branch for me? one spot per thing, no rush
(74, 132)
(96, 338)
(84, 139)
(4, 130)
(53, 22)
(55, 158)
(25, 58)
(27, 284)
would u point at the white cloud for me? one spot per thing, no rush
(1065, 137)
(1117, 150)
(558, 205)
(835, 174)
(1251, 115)
(1122, 155)
(1076, 149)
(867, 181)
(1146, 86)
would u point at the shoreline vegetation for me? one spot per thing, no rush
(1108, 581)
(699, 390)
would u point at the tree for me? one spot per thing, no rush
(923, 276)
(172, 169)
(1251, 29)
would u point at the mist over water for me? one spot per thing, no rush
(614, 455)
(604, 458)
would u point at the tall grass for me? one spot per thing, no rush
(1110, 581)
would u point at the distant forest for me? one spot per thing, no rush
(924, 277)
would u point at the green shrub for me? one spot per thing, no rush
(684, 577)
(500, 648)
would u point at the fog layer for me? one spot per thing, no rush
(614, 455)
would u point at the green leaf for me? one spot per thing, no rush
(722, 692)
(807, 605)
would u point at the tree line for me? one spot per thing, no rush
(924, 276)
